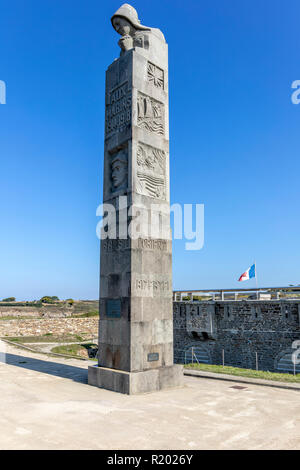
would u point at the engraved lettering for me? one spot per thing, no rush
(118, 110)
(152, 244)
(143, 284)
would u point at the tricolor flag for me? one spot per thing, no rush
(251, 272)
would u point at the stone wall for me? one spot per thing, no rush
(37, 309)
(56, 326)
(239, 328)
(12, 311)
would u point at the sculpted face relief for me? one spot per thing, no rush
(122, 26)
(119, 170)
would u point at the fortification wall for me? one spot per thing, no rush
(239, 328)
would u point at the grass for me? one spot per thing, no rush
(87, 315)
(67, 355)
(80, 350)
(255, 374)
(48, 337)
(70, 349)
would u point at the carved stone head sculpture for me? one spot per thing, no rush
(119, 170)
(130, 18)
(126, 22)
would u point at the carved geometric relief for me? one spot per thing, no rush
(119, 170)
(155, 75)
(150, 114)
(151, 171)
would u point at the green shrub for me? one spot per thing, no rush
(47, 299)
(9, 299)
(88, 314)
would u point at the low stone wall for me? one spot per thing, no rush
(56, 326)
(58, 310)
(19, 312)
(237, 329)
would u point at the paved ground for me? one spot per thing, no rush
(47, 404)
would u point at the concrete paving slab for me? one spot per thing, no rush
(47, 404)
(244, 380)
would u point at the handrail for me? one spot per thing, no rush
(262, 293)
(251, 289)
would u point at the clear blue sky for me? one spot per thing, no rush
(234, 139)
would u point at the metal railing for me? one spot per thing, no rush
(196, 355)
(262, 293)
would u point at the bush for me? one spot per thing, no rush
(88, 314)
(47, 299)
(9, 299)
(70, 301)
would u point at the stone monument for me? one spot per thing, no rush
(136, 317)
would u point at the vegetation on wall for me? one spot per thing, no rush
(47, 299)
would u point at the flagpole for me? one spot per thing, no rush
(256, 275)
(256, 279)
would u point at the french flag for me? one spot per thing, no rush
(251, 272)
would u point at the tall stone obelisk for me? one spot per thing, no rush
(136, 316)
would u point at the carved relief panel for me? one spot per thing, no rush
(155, 75)
(150, 114)
(151, 171)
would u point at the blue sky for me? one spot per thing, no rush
(234, 139)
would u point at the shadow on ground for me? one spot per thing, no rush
(58, 369)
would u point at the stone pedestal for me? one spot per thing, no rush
(136, 317)
(133, 383)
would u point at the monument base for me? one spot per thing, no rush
(133, 383)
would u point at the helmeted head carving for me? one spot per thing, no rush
(133, 34)
(125, 21)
